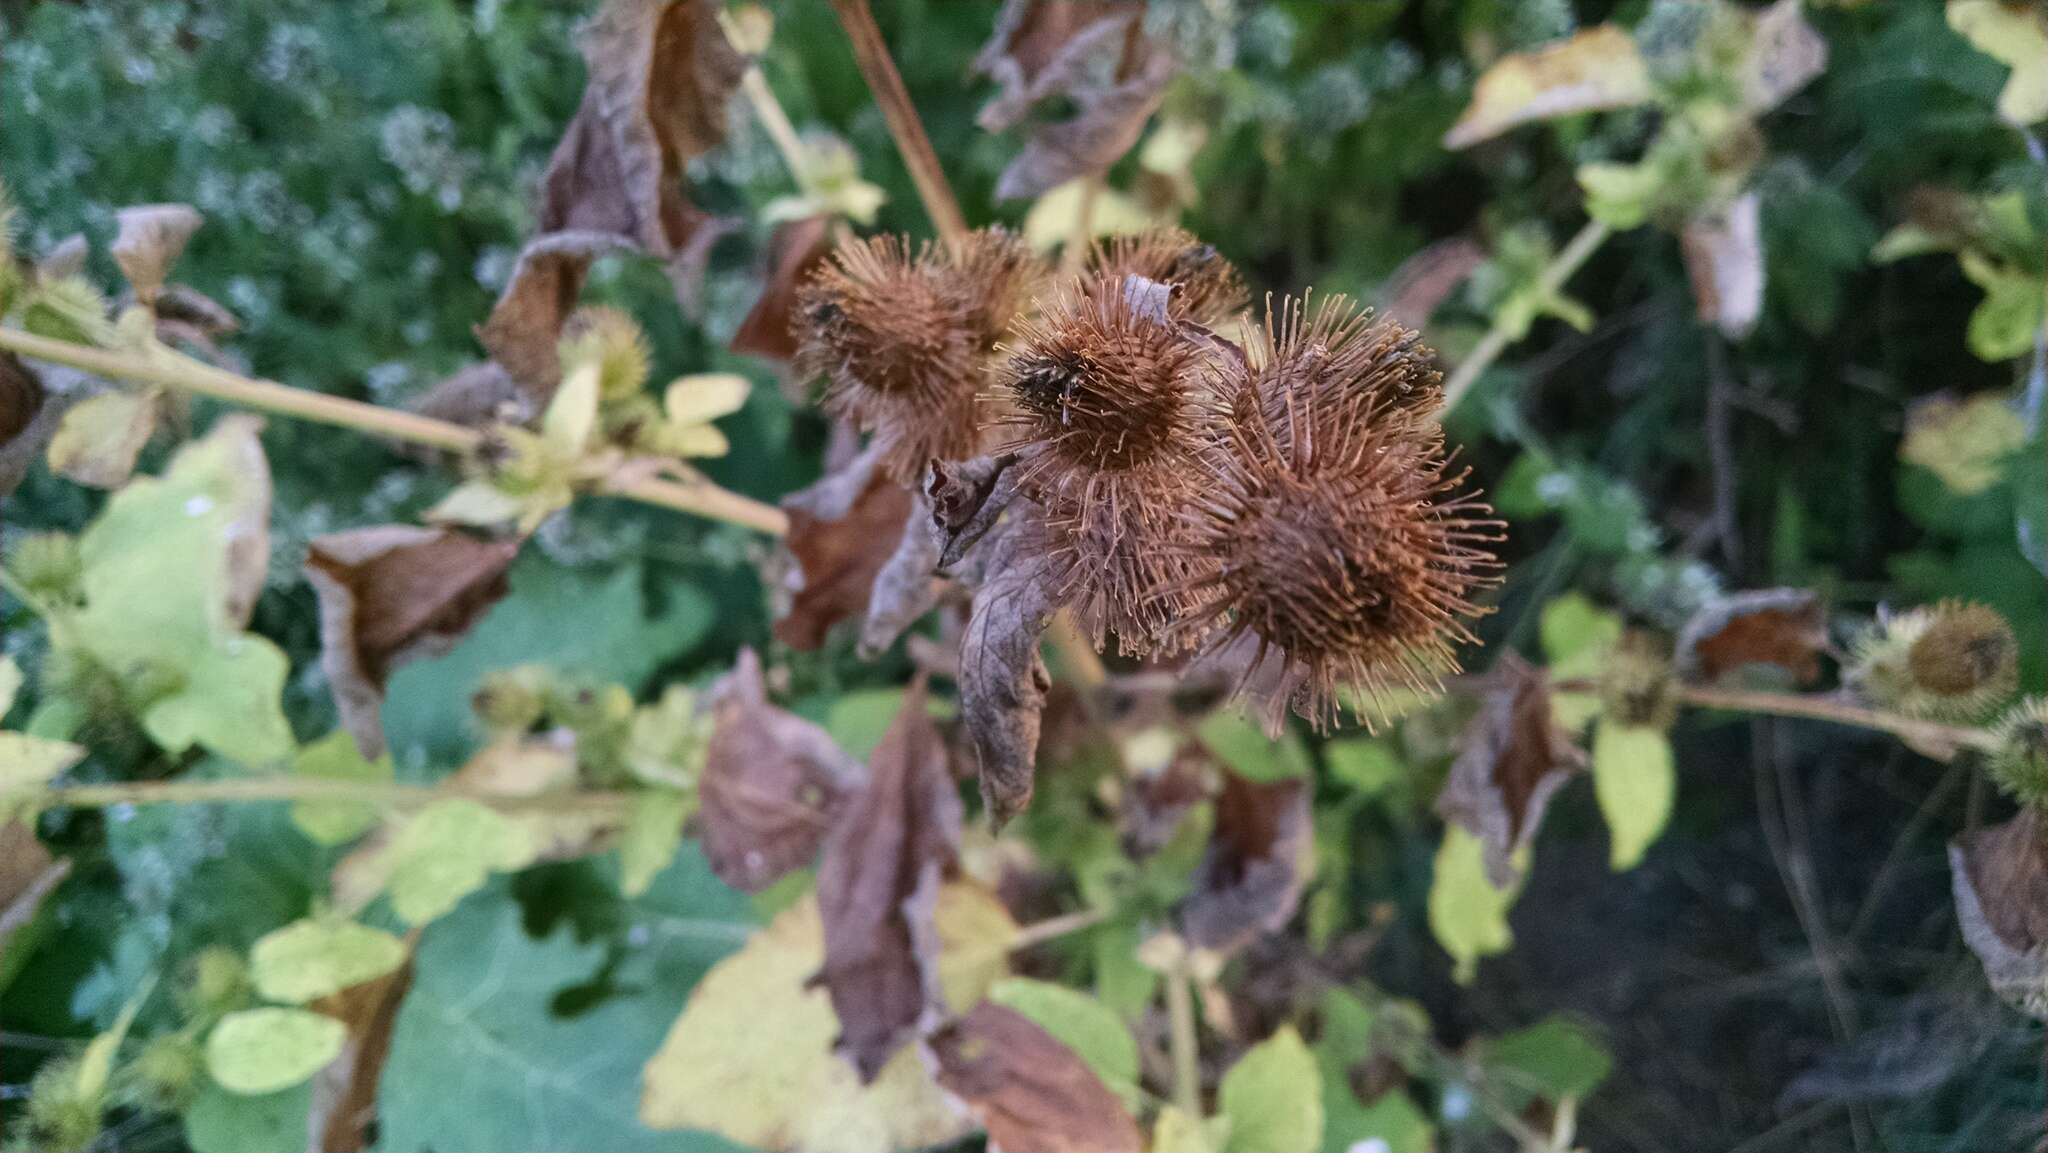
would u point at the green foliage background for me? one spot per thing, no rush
(364, 169)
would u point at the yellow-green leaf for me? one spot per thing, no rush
(101, 436)
(1466, 913)
(1596, 68)
(336, 757)
(1176, 1132)
(309, 959)
(705, 397)
(445, 852)
(571, 415)
(1965, 443)
(1055, 216)
(654, 830)
(27, 761)
(1635, 783)
(2014, 35)
(1274, 1097)
(10, 683)
(259, 1051)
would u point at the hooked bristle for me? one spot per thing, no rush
(1206, 287)
(996, 275)
(1340, 539)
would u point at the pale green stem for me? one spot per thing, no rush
(1496, 340)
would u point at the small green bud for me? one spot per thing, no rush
(217, 983)
(48, 564)
(511, 701)
(612, 339)
(1636, 685)
(68, 308)
(169, 1071)
(59, 1114)
(2019, 765)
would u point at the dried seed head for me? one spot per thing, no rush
(1952, 661)
(1636, 685)
(893, 339)
(2020, 763)
(1340, 540)
(611, 339)
(1344, 357)
(996, 275)
(1105, 408)
(1206, 287)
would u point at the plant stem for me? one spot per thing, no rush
(1496, 340)
(1180, 1020)
(169, 369)
(1924, 735)
(872, 54)
(245, 790)
(1053, 928)
(769, 112)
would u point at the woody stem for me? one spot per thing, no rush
(872, 54)
(247, 790)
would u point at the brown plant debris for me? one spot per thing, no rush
(1512, 759)
(1027, 1089)
(1783, 628)
(771, 785)
(878, 883)
(1206, 287)
(2000, 877)
(342, 1116)
(1003, 680)
(842, 531)
(150, 239)
(1250, 879)
(1335, 532)
(795, 251)
(390, 593)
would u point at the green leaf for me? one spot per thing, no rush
(1369, 766)
(1239, 743)
(309, 959)
(1176, 1132)
(101, 436)
(1081, 1023)
(222, 1122)
(1635, 783)
(1577, 635)
(2003, 325)
(1274, 1098)
(336, 757)
(26, 762)
(10, 684)
(1396, 1122)
(1621, 196)
(446, 851)
(1555, 1058)
(586, 626)
(96, 1064)
(227, 703)
(857, 720)
(654, 830)
(1466, 913)
(263, 1050)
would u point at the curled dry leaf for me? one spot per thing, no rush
(888, 852)
(1003, 680)
(342, 1115)
(1724, 260)
(842, 531)
(2000, 878)
(29, 417)
(1096, 56)
(1513, 758)
(526, 323)
(477, 394)
(1595, 68)
(390, 593)
(1786, 628)
(906, 588)
(796, 248)
(1785, 54)
(150, 240)
(771, 784)
(1425, 280)
(1027, 1089)
(248, 527)
(102, 435)
(1250, 878)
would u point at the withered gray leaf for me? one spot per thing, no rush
(248, 532)
(889, 850)
(1003, 679)
(476, 394)
(150, 239)
(65, 258)
(1027, 1089)
(907, 587)
(29, 417)
(342, 1115)
(771, 784)
(1783, 628)
(1040, 47)
(390, 593)
(1425, 280)
(1513, 757)
(1250, 879)
(796, 248)
(1724, 261)
(967, 498)
(1115, 78)
(842, 530)
(2000, 878)
(526, 322)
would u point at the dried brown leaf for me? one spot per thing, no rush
(1039, 47)
(2000, 877)
(1107, 122)
(794, 251)
(1513, 758)
(343, 1113)
(28, 875)
(65, 258)
(1786, 628)
(771, 785)
(103, 435)
(1425, 280)
(1154, 803)
(1250, 879)
(1724, 260)
(151, 237)
(526, 323)
(29, 417)
(390, 593)
(888, 852)
(476, 394)
(1027, 1089)
(842, 531)
(1003, 680)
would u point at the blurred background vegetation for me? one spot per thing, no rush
(1783, 972)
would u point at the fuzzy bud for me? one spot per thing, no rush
(2019, 765)
(60, 1114)
(612, 340)
(1636, 685)
(171, 1069)
(216, 984)
(49, 566)
(1954, 661)
(510, 701)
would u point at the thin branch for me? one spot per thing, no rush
(250, 790)
(1922, 735)
(1187, 1059)
(166, 368)
(872, 54)
(1496, 340)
